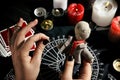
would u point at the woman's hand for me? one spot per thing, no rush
(26, 67)
(84, 74)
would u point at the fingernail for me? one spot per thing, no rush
(45, 42)
(70, 58)
(36, 20)
(21, 19)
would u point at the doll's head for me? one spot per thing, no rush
(82, 30)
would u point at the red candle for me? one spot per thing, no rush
(75, 12)
(114, 32)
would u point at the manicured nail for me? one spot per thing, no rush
(70, 58)
(45, 42)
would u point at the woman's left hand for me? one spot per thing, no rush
(26, 67)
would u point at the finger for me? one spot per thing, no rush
(20, 22)
(36, 59)
(21, 34)
(85, 71)
(30, 41)
(9, 35)
(67, 74)
(39, 50)
(18, 26)
(16, 29)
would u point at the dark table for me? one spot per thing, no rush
(98, 39)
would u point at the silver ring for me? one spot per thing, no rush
(17, 28)
(15, 31)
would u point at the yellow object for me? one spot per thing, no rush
(47, 25)
(116, 65)
(107, 4)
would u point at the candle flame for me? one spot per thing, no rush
(76, 10)
(46, 22)
(57, 10)
(107, 4)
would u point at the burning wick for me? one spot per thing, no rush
(57, 12)
(76, 10)
(46, 22)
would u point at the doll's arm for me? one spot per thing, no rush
(66, 44)
(87, 54)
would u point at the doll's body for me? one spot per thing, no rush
(79, 46)
(80, 49)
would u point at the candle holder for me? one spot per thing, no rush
(47, 25)
(116, 65)
(57, 12)
(40, 12)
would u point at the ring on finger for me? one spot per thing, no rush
(17, 28)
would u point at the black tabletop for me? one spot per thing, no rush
(98, 39)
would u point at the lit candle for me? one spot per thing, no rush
(47, 24)
(40, 12)
(116, 65)
(57, 12)
(103, 12)
(114, 31)
(75, 12)
(60, 4)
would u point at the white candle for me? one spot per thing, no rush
(103, 12)
(60, 4)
